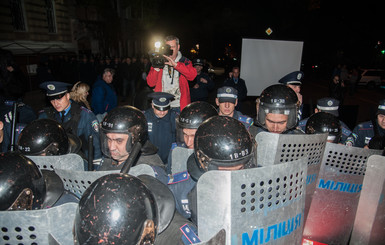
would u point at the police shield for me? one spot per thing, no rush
(69, 161)
(179, 156)
(339, 184)
(254, 206)
(278, 148)
(78, 181)
(369, 224)
(44, 226)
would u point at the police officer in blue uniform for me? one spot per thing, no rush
(294, 81)
(75, 119)
(216, 141)
(364, 132)
(161, 123)
(227, 100)
(188, 122)
(331, 106)
(277, 110)
(121, 129)
(202, 84)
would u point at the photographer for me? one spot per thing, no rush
(174, 76)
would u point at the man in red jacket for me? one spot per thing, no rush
(174, 76)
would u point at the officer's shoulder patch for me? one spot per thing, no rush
(95, 125)
(189, 236)
(178, 177)
(85, 109)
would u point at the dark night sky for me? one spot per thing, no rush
(353, 28)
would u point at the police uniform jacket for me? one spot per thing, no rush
(202, 92)
(104, 97)
(363, 133)
(179, 231)
(161, 131)
(79, 121)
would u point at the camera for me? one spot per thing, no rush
(156, 58)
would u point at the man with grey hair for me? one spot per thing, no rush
(174, 76)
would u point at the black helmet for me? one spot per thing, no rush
(22, 186)
(43, 136)
(124, 120)
(324, 122)
(278, 99)
(116, 209)
(220, 141)
(195, 113)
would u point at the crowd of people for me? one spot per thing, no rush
(219, 136)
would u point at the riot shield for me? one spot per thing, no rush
(69, 161)
(278, 148)
(218, 239)
(369, 224)
(78, 181)
(254, 206)
(338, 186)
(179, 156)
(44, 226)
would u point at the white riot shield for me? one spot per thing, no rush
(179, 156)
(334, 204)
(369, 224)
(78, 181)
(44, 226)
(254, 206)
(278, 148)
(69, 161)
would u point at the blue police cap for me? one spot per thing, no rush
(198, 62)
(54, 88)
(227, 94)
(161, 100)
(381, 107)
(293, 78)
(328, 105)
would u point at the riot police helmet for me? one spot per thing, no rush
(22, 185)
(223, 143)
(45, 137)
(124, 120)
(195, 113)
(116, 209)
(324, 122)
(278, 99)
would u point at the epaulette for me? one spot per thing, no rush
(302, 123)
(365, 125)
(178, 177)
(247, 121)
(189, 236)
(346, 131)
(85, 109)
(176, 144)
